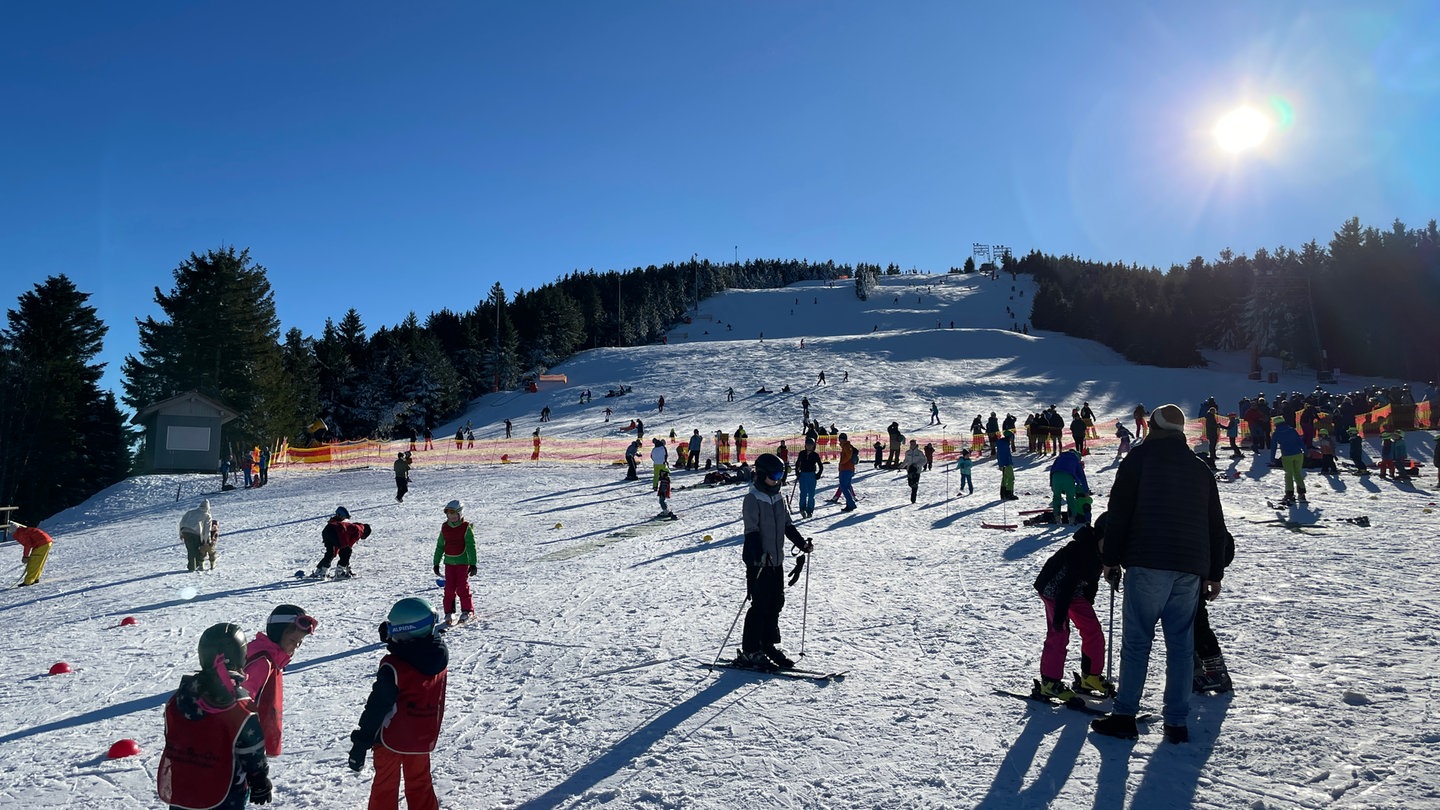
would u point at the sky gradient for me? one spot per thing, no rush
(397, 159)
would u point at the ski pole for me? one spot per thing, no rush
(1110, 646)
(729, 632)
(805, 603)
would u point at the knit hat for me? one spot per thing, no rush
(1168, 417)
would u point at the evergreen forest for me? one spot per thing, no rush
(1367, 301)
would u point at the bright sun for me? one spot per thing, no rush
(1241, 129)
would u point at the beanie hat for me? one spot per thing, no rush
(342, 513)
(1168, 417)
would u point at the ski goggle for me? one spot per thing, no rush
(307, 623)
(776, 478)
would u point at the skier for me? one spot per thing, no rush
(1088, 416)
(847, 472)
(1123, 433)
(402, 716)
(630, 452)
(913, 462)
(808, 468)
(456, 548)
(214, 754)
(783, 453)
(210, 542)
(1232, 432)
(741, 438)
(660, 405)
(659, 457)
(1007, 468)
(695, 441)
(897, 443)
(1212, 433)
(194, 525)
(929, 456)
(1291, 449)
(402, 477)
(507, 428)
(964, 465)
(879, 454)
(340, 536)
(1357, 451)
(265, 659)
(1211, 674)
(1067, 585)
(34, 550)
(934, 413)
(664, 492)
(1067, 478)
(767, 524)
(1140, 425)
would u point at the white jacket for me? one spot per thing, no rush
(197, 520)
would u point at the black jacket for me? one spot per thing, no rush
(1165, 510)
(1074, 569)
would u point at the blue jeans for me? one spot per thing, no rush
(1169, 597)
(847, 488)
(807, 492)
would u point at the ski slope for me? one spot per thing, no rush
(581, 685)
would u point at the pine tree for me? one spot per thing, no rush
(219, 336)
(61, 437)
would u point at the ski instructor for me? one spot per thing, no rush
(767, 524)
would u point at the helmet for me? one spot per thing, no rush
(769, 468)
(412, 617)
(222, 644)
(342, 513)
(457, 505)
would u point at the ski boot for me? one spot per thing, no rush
(756, 660)
(1054, 689)
(778, 657)
(1093, 684)
(343, 572)
(466, 615)
(1211, 674)
(1288, 500)
(320, 572)
(449, 619)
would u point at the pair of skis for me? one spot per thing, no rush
(794, 673)
(1080, 703)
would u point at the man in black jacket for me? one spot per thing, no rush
(1167, 529)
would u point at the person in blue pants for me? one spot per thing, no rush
(808, 467)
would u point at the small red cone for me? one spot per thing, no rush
(122, 749)
(59, 668)
(127, 621)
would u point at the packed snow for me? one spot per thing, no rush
(581, 685)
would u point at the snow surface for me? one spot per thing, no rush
(581, 686)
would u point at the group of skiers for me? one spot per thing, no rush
(226, 719)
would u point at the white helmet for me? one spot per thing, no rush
(456, 504)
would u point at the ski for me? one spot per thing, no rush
(794, 673)
(1004, 527)
(1076, 704)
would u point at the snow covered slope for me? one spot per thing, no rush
(581, 686)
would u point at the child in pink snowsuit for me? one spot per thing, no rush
(1067, 585)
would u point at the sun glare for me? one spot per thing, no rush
(1241, 129)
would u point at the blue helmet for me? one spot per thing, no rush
(412, 617)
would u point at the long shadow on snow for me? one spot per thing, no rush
(128, 707)
(1026, 546)
(88, 589)
(205, 597)
(946, 521)
(561, 493)
(636, 743)
(1174, 771)
(694, 549)
(1007, 789)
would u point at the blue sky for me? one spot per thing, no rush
(398, 158)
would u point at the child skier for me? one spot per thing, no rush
(456, 548)
(214, 753)
(1123, 433)
(340, 536)
(402, 716)
(914, 462)
(664, 492)
(1067, 478)
(265, 659)
(964, 466)
(210, 542)
(767, 526)
(1067, 585)
(34, 550)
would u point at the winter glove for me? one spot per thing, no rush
(364, 530)
(437, 569)
(808, 546)
(472, 570)
(1112, 576)
(260, 789)
(357, 751)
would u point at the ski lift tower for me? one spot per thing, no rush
(981, 254)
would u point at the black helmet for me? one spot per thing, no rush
(769, 469)
(224, 641)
